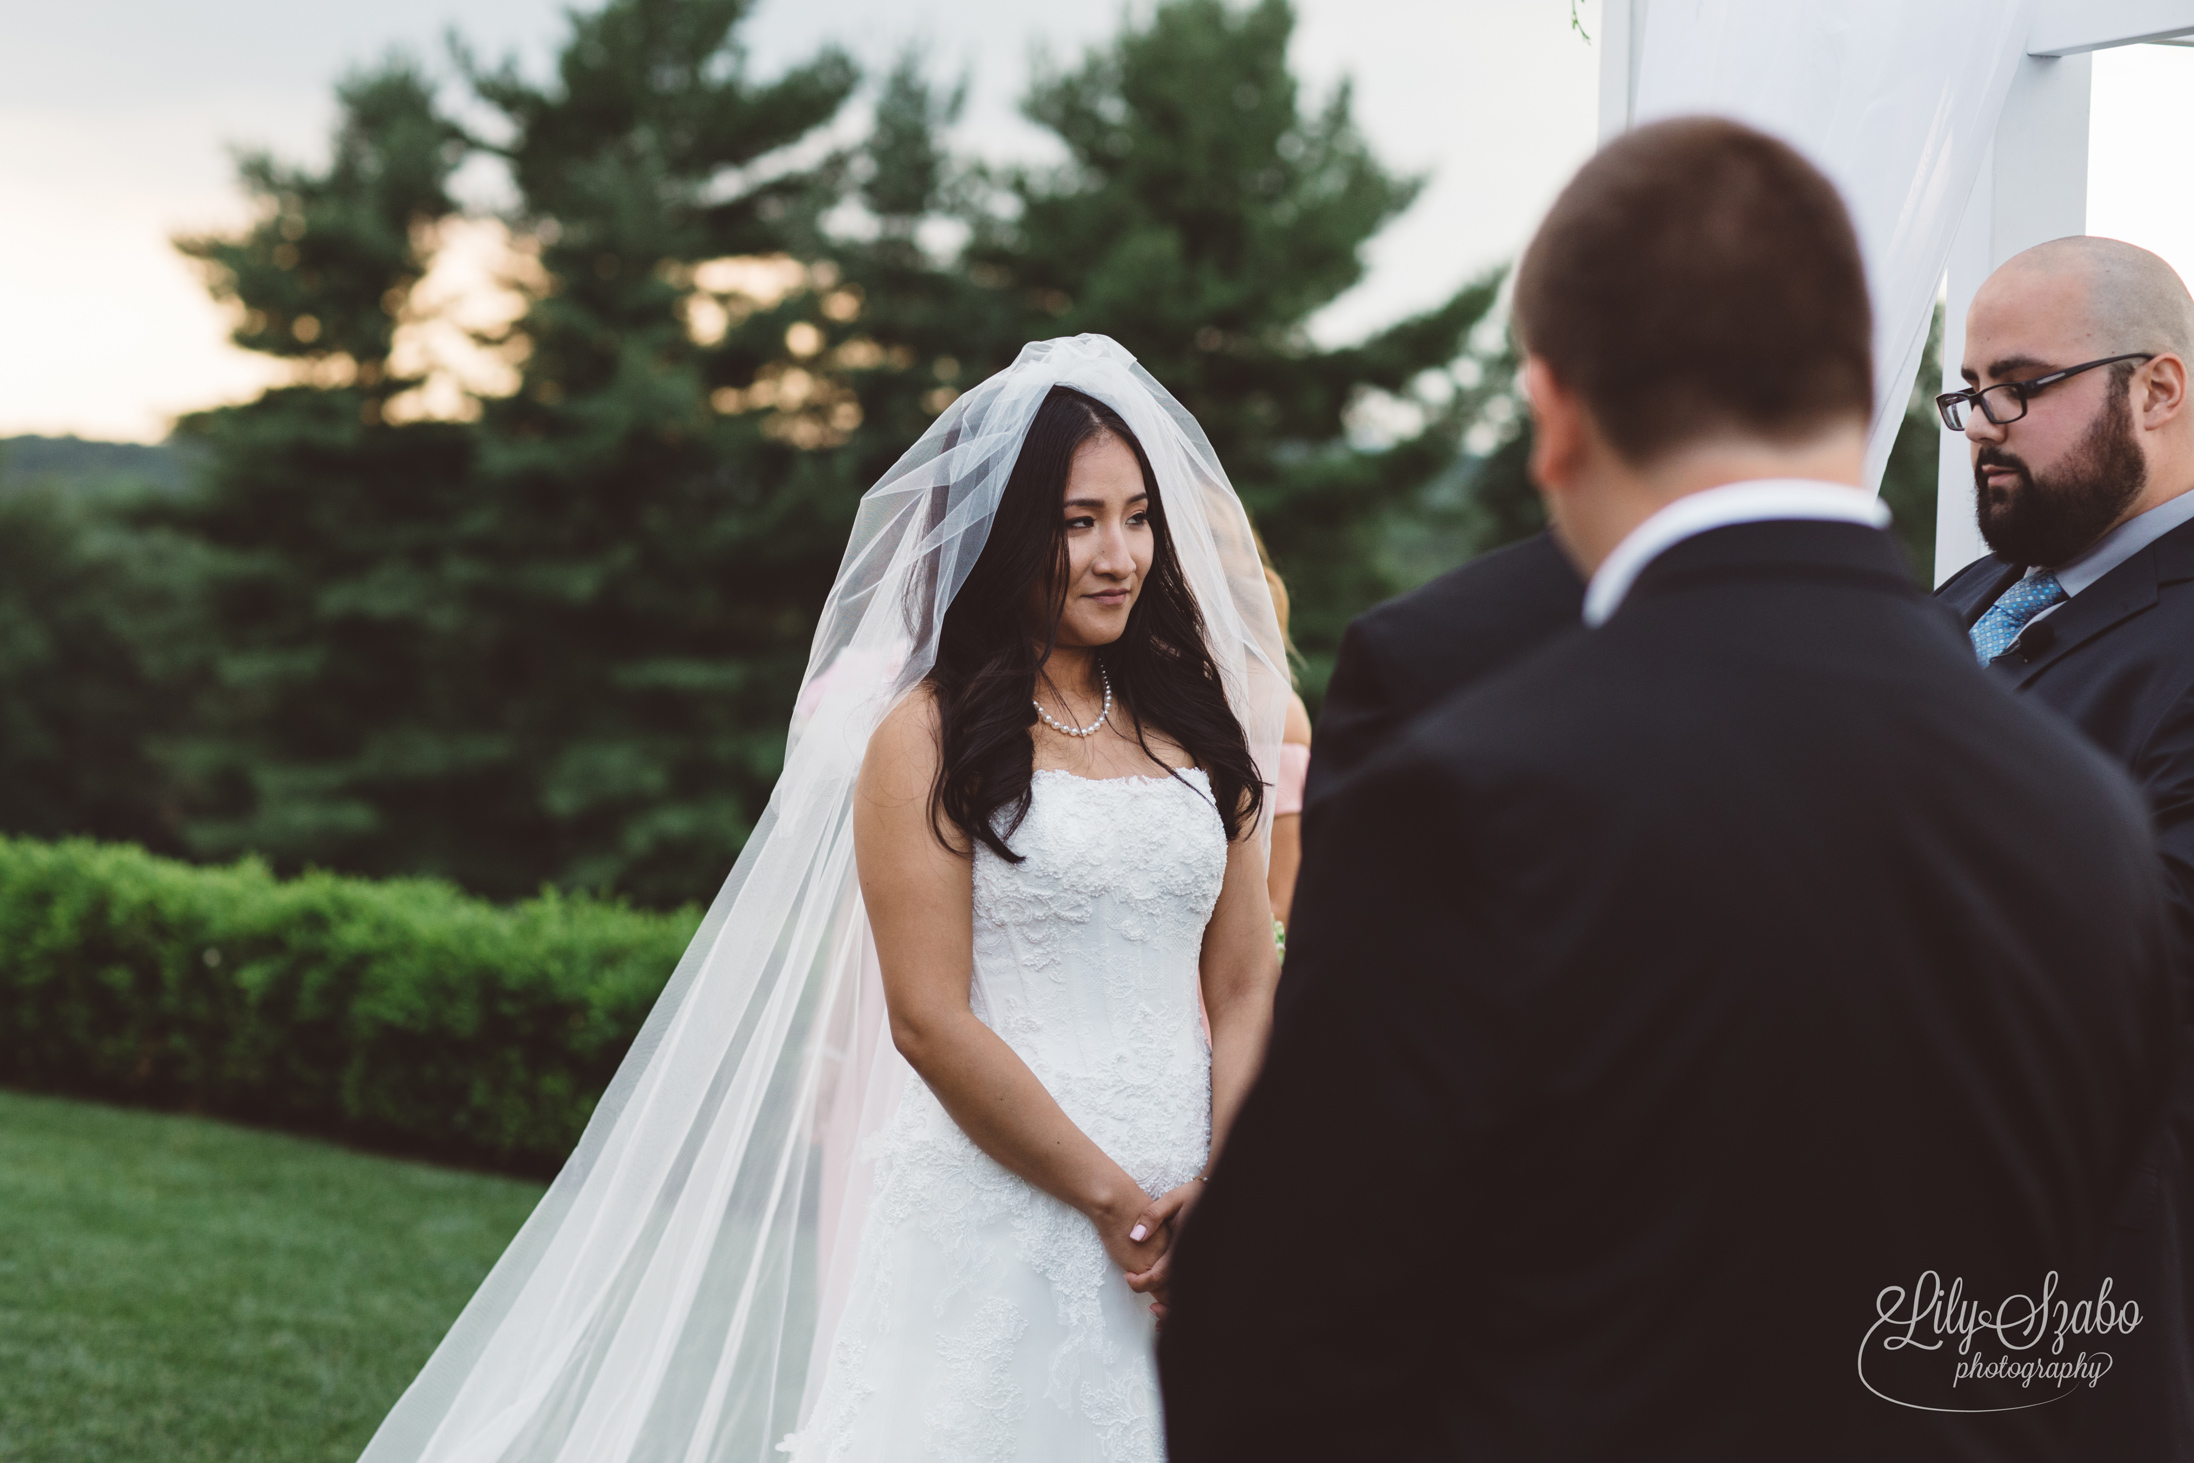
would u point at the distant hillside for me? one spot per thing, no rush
(73, 462)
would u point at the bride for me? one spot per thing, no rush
(894, 1167)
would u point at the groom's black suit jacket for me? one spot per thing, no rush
(1402, 656)
(1654, 1004)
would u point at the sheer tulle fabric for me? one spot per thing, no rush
(676, 1290)
(1294, 778)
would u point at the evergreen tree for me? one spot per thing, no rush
(1204, 216)
(1909, 480)
(335, 539)
(1504, 506)
(322, 277)
(661, 553)
(97, 658)
(912, 328)
(557, 644)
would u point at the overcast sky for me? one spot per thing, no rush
(116, 119)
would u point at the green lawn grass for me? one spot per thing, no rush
(175, 1290)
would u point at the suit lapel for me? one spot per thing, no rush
(2122, 593)
(1977, 586)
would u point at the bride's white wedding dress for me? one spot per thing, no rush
(985, 1322)
(724, 1259)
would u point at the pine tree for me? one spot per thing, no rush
(1909, 479)
(323, 276)
(334, 536)
(99, 650)
(556, 644)
(662, 551)
(1204, 216)
(915, 329)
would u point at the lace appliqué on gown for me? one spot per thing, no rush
(986, 1324)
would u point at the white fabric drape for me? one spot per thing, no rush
(667, 1298)
(1896, 100)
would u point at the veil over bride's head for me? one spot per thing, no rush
(673, 1295)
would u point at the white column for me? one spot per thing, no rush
(1622, 34)
(2032, 188)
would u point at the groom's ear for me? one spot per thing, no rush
(1559, 429)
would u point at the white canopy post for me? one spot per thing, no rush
(1621, 38)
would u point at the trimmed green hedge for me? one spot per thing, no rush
(399, 1014)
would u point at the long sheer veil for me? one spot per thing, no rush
(673, 1295)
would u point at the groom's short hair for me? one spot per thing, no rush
(1697, 278)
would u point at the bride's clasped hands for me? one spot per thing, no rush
(1160, 1223)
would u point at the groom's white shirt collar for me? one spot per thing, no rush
(1757, 501)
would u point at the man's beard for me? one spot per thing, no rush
(2050, 520)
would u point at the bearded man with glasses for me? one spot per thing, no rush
(2082, 440)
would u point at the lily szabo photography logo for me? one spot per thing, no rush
(1938, 1349)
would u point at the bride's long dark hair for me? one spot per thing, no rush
(991, 648)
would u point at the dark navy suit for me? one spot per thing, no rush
(1400, 657)
(1654, 1002)
(2118, 660)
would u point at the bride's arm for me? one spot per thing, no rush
(920, 900)
(1240, 971)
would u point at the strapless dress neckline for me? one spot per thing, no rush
(1130, 777)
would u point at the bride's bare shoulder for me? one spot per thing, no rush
(903, 752)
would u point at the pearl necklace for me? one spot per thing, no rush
(1081, 731)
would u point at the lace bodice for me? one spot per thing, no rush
(987, 1323)
(1086, 956)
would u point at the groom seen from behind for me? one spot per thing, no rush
(1668, 1013)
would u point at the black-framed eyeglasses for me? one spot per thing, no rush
(2005, 404)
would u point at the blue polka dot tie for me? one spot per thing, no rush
(1993, 632)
